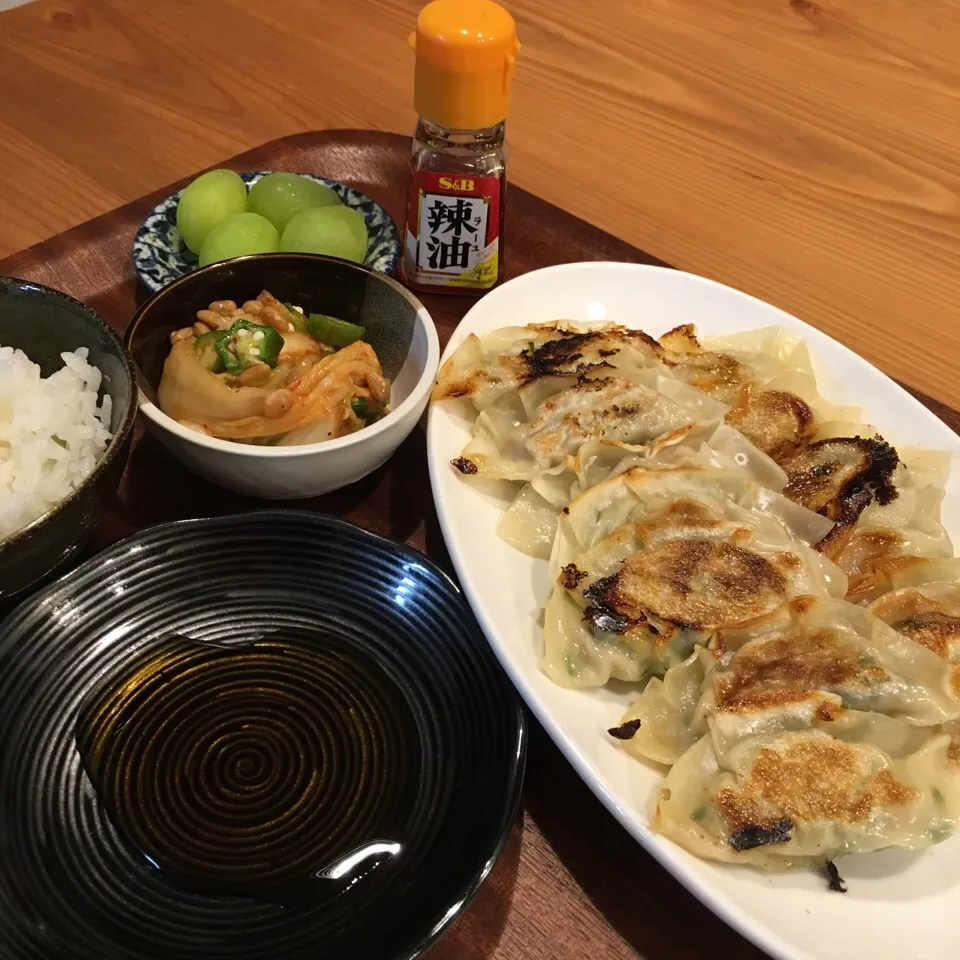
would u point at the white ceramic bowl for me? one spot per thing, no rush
(398, 327)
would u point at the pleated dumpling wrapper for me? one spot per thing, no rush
(484, 369)
(765, 375)
(806, 797)
(922, 602)
(527, 433)
(650, 563)
(800, 667)
(530, 523)
(902, 529)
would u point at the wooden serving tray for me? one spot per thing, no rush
(572, 883)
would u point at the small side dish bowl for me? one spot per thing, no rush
(398, 326)
(44, 323)
(160, 258)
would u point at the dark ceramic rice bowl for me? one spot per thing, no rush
(45, 323)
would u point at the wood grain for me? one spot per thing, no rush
(807, 151)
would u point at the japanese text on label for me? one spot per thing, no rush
(453, 232)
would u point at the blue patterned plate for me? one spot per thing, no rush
(159, 258)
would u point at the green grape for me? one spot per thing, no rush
(212, 197)
(281, 196)
(238, 235)
(336, 231)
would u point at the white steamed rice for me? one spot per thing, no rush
(52, 433)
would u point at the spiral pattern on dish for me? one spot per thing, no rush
(254, 698)
(250, 768)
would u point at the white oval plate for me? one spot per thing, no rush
(900, 906)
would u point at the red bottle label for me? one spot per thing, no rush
(452, 236)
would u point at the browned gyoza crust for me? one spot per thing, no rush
(682, 339)
(774, 421)
(690, 584)
(786, 667)
(608, 407)
(817, 779)
(566, 354)
(717, 374)
(838, 478)
(931, 621)
(934, 630)
(572, 354)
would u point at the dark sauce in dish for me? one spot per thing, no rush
(279, 770)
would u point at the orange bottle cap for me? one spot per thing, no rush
(466, 52)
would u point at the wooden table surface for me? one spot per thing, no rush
(807, 151)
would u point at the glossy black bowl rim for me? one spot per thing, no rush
(254, 451)
(122, 433)
(464, 897)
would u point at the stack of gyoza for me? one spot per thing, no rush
(770, 573)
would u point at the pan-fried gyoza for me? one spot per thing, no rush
(769, 571)
(527, 357)
(650, 562)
